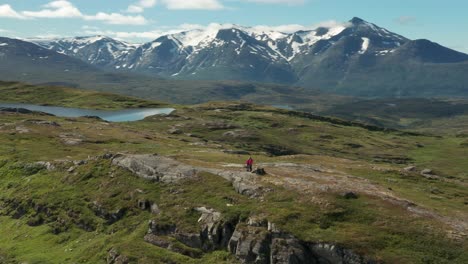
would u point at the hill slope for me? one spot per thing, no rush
(333, 190)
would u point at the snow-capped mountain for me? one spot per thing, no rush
(229, 52)
(96, 50)
(356, 57)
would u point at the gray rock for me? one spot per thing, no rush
(240, 133)
(80, 162)
(189, 239)
(250, 244)
(174, 131)
(71, 139)
(410, 169)
(160, 229)
(108, 215)
(329, 253)
(157, 241)
(22, 129)
(429, 174)
(154, 167)
(155, 209)
(46, 165)
(426, 171)
(45, 123)
(215, 233)
(114, 257)
(218, 125)
(289, 250)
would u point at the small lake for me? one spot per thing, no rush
(124, 115)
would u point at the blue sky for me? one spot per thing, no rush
(445, 22)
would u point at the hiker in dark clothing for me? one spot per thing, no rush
(249, 164)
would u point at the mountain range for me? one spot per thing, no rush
(356, 58)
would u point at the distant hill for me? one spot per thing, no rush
(21, 60)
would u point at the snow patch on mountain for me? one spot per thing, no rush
(365, 45)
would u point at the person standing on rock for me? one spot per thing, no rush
(249, 164)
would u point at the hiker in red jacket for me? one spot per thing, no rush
(249, 164)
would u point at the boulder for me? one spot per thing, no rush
(71, 139)
(429, 174)
(114, 257)
(410, 169)
(155, 209)
(240, 134)
(426, 172)
(174, 131)
(46, 165)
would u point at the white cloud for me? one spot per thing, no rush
(117, 19)
(55, 9)
(65, 9)
(193, 4)
(8, 12)
(140, 6)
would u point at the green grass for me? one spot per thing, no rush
(62, 96)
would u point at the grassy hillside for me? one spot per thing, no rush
(67, 97)
(437, 116)
(61, 215)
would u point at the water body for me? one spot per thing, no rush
(125, 115)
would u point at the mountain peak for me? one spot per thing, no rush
(357, 20)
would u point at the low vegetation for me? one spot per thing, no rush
(84, 207)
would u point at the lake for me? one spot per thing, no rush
(124, 115)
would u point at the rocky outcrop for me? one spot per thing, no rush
(110, 216)
(163, 169)
(254, 241)
(244, 183)
(215, 232)
(114, 257)
(71, 139)
(240, 134)
(154, 167)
